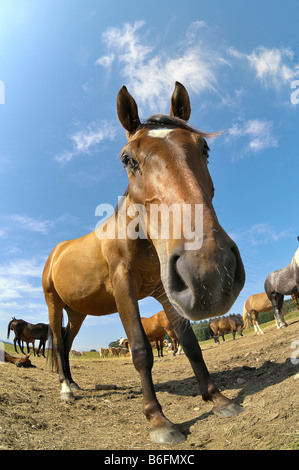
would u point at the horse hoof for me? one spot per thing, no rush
(227, 411)
(66, 397)
(170, 436)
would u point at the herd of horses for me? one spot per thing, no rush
(96, 275)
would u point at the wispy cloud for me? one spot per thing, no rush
(261, 234)
(32, 224)
(255, 135)
(150, 73)
(21, 289)
(22, 267)
(274, 67)
(87, 139)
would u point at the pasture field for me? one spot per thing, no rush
(256, 371)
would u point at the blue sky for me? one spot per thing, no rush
(61, 66)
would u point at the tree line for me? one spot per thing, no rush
(201, 328)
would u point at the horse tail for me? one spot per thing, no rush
(50, 350)
(246, 318)
(211, 332)
(8, 331)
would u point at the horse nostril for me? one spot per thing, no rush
(176, 275)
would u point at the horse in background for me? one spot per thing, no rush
(28, 332)
(155, 328)
(255, 304)
(283, 282)
(232, 324)
(18, 361)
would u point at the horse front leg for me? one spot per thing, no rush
(162, 431)
(223, 406)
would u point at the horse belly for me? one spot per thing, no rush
(82, 282)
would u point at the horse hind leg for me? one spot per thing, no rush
(257, 328)
(55, 308)
(74, 324)
(277, 303)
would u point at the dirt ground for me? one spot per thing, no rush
(256, 371)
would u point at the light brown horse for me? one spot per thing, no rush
(155, 328)
(220, 326)
(94, 275)
(255, 304)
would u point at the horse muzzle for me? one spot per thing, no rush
(204, 285)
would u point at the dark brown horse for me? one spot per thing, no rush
(220, 326)
(100, 274)
(283, 282)
(28, 332)
(155, 328)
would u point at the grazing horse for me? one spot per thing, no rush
(155, 328)
(283, 282)
(231, 324)
(111, 268)
(255, 304)
(28, 332)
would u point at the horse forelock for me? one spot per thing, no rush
(162, 121)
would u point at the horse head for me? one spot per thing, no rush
(166, 160)
(24, 362)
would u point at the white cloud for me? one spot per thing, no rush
(150, 74)
(22, 268)
(34, 225)
(86, 140)
(256, 133)
(273, 66)
(21, 289)
(261, 234)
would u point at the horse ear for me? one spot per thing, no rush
(180, 102)
(127, 110)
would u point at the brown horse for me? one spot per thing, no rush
(283, 282)
(28, 332)
(255, 304)
(231, 324)
(155, 328)
(100, 274)
(18, 361)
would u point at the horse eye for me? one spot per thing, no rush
(129, 163)
(206, 149)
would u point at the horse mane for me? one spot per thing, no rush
(161, 121)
